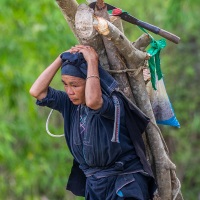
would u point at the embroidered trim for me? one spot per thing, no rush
(116, 129)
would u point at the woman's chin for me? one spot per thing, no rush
(76, 102)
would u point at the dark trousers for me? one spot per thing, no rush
(132, 186)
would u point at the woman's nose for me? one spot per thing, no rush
(69, 91)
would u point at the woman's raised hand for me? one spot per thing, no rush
(88, 52)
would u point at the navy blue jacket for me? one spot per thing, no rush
(136, 123)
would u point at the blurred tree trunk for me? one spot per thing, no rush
(117, 53)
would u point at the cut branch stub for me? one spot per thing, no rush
(88, 35)
(84, 20)
(142, 42)
(101, 25)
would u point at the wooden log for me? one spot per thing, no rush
(134, 59)
(89, 36)
(141, 43)
(69, 10)
(115, 60)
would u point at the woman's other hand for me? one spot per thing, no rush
(88, 52)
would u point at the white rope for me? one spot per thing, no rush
(47, 126)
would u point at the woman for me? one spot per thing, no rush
(102, 129)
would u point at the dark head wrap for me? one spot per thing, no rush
(76, 65)
(71, 65)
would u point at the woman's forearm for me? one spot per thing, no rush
(40, 86)
(93, 94)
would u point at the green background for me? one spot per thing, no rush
(35, 166)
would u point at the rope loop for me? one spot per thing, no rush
(131, 72)
(47, 126)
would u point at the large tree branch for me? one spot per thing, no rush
(115, 59)
(135, 58)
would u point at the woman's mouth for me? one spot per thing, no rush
(73, 100)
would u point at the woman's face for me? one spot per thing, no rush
(75, 89)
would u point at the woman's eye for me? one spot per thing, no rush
(64, 83)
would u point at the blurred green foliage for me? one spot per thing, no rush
(35, 166)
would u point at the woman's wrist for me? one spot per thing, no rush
(93, 76)
(59, 60)
(93, 62)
